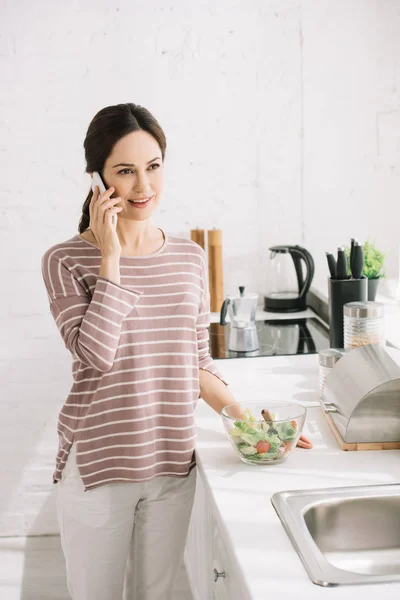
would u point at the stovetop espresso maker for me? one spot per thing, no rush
(243, 335)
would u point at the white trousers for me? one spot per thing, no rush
(123, 541)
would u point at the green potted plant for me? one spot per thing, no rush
(374, 263)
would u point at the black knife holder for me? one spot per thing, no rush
(342, 291)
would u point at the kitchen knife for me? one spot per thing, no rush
(341, 265)
(353, 241)
(358, 261)
(331, 264)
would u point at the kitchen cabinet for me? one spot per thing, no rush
(198, 552)
(222, 571)
(212, 569)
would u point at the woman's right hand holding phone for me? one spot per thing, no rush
(101, 210)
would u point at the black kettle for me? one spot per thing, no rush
(287, 285)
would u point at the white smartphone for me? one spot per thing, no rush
(97, 180)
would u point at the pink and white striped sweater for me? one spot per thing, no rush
(137, 349)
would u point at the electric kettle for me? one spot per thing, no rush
(242, 314)
(287, 284)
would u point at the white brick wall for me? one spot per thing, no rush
(282, 121)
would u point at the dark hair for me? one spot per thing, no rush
(107, 127)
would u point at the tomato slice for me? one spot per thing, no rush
(262, 447)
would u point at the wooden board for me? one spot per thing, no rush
(358, 446)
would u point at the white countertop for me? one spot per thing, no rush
(241, 492)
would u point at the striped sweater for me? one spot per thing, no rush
(137, 348)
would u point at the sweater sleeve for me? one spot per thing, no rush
(202, 326)
(89, 326)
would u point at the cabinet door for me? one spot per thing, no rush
(220, 568)
(229, 585)
(198, 557)
(207, 555)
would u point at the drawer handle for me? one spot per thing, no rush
(217, 575)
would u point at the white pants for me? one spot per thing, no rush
(123, 541)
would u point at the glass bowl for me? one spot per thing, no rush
(263, 438)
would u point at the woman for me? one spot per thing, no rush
(132, 306)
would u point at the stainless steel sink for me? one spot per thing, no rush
(344, 535)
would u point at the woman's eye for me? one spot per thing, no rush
(123, 171)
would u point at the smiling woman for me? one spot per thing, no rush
(132, 306)
(126, 146)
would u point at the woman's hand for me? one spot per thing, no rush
(101, 211)
(304, 442)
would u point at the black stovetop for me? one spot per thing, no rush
(278, 337)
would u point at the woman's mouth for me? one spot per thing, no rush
(140, 203)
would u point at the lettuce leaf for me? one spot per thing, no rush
(241, 425)
(235, 432)
(248, 415)
(286, 431)
(248, 450)
(252, 437)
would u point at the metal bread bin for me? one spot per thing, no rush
(362, 395)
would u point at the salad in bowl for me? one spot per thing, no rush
(264, 433)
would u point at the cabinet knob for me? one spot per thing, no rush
(217, 575)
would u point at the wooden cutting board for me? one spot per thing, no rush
(361, 445)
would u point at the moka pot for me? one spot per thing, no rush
(242, 315)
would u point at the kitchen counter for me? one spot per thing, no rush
(260, 550)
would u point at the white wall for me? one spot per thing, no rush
(282, 120)
(351, 158)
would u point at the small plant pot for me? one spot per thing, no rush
(372, 288)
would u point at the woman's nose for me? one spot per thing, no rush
(142, 184)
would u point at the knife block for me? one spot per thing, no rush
(342, 291)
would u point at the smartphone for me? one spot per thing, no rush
(97, 180)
